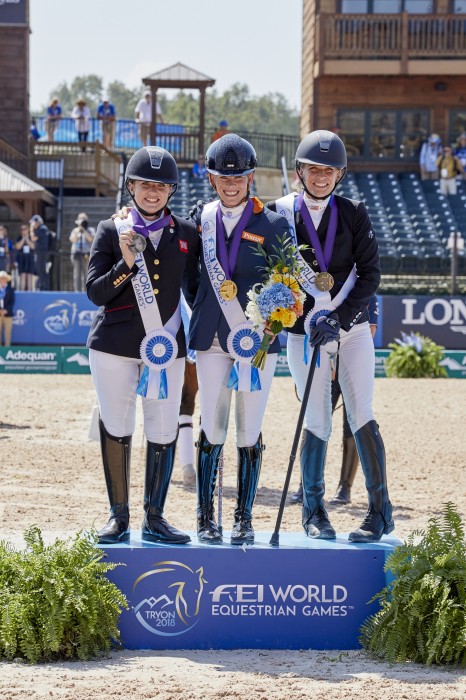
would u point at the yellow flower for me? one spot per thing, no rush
(284, 316)
(290, 319)
(288, 280)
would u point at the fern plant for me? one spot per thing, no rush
(55, 601)
(423, 610)
(415, 355)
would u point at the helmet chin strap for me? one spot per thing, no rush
(313, 196)
(145, 213)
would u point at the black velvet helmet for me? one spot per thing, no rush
(322, 148)
(153, 164)
(230, 155)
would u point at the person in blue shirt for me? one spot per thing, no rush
(107, 115)
(54, 115)
(199, 170)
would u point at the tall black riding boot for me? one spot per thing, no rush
(159, 468)
(207, 467)
(116, 458)
(349, 467)
(378, 520)
(249, 467)
(315, 518)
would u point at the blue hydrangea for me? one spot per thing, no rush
(278, 296)
(414, 340)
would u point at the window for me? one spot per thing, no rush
(459, 7)
(383, 134)
(390, 7)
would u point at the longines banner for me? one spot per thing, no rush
(443, 319)
(301, 595)
(13, 12)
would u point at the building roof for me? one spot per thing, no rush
(13, 184)
(179, 73)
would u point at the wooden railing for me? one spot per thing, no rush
(403, 36)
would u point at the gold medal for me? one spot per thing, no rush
(324, 281)
(228, 290)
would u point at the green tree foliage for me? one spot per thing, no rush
(56, 601)
(268, 114)
(423, 610)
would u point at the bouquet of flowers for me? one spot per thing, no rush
(276, 303)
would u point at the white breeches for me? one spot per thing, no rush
(116, 379)
(213, 370)
(356, 364)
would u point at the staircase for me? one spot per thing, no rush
(97, 209)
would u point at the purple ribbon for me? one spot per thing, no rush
(139, 223)
(323, 258)
(227, 258)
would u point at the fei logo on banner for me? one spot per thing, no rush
(169, 597)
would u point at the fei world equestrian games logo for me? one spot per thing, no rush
(171, 598)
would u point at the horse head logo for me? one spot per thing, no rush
(171, 601)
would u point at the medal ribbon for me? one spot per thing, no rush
(287, 206)
(227, 258)
(153, 382)
(243, 376)
(144, 229)
(323, 258)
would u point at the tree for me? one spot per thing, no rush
(269, 114)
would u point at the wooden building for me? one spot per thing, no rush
(14, 74)
(384, 74)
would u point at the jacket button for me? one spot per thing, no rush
(156, 277)
(156, 291)
(156, 262)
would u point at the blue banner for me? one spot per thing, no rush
(305, 594)
(52, 318)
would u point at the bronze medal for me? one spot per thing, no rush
(228, 290)
(324, 281)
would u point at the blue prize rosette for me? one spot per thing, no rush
(309, 322)
(244, 341)
(312, 317)
(159, 349)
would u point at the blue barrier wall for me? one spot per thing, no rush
(64, 318)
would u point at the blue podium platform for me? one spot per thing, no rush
(304, 594)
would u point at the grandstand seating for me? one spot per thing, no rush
(411, 219)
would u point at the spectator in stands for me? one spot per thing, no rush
(24, 247)
(7, 300)
(199, 170)
(6, 250)
(107, 115)
(34, 131)
(221, 131)
(430, 151)
(460, 151)
(143, 114)
(40, 236)
(81, 115)
(449, 167)
(81, 239)
(54, 115)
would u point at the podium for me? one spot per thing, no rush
(304, 594)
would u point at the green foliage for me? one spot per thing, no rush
(423, 611)
(415, 356)
(55, 601)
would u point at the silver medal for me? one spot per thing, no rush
(139, 243)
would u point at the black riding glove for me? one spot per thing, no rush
(325, 330)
